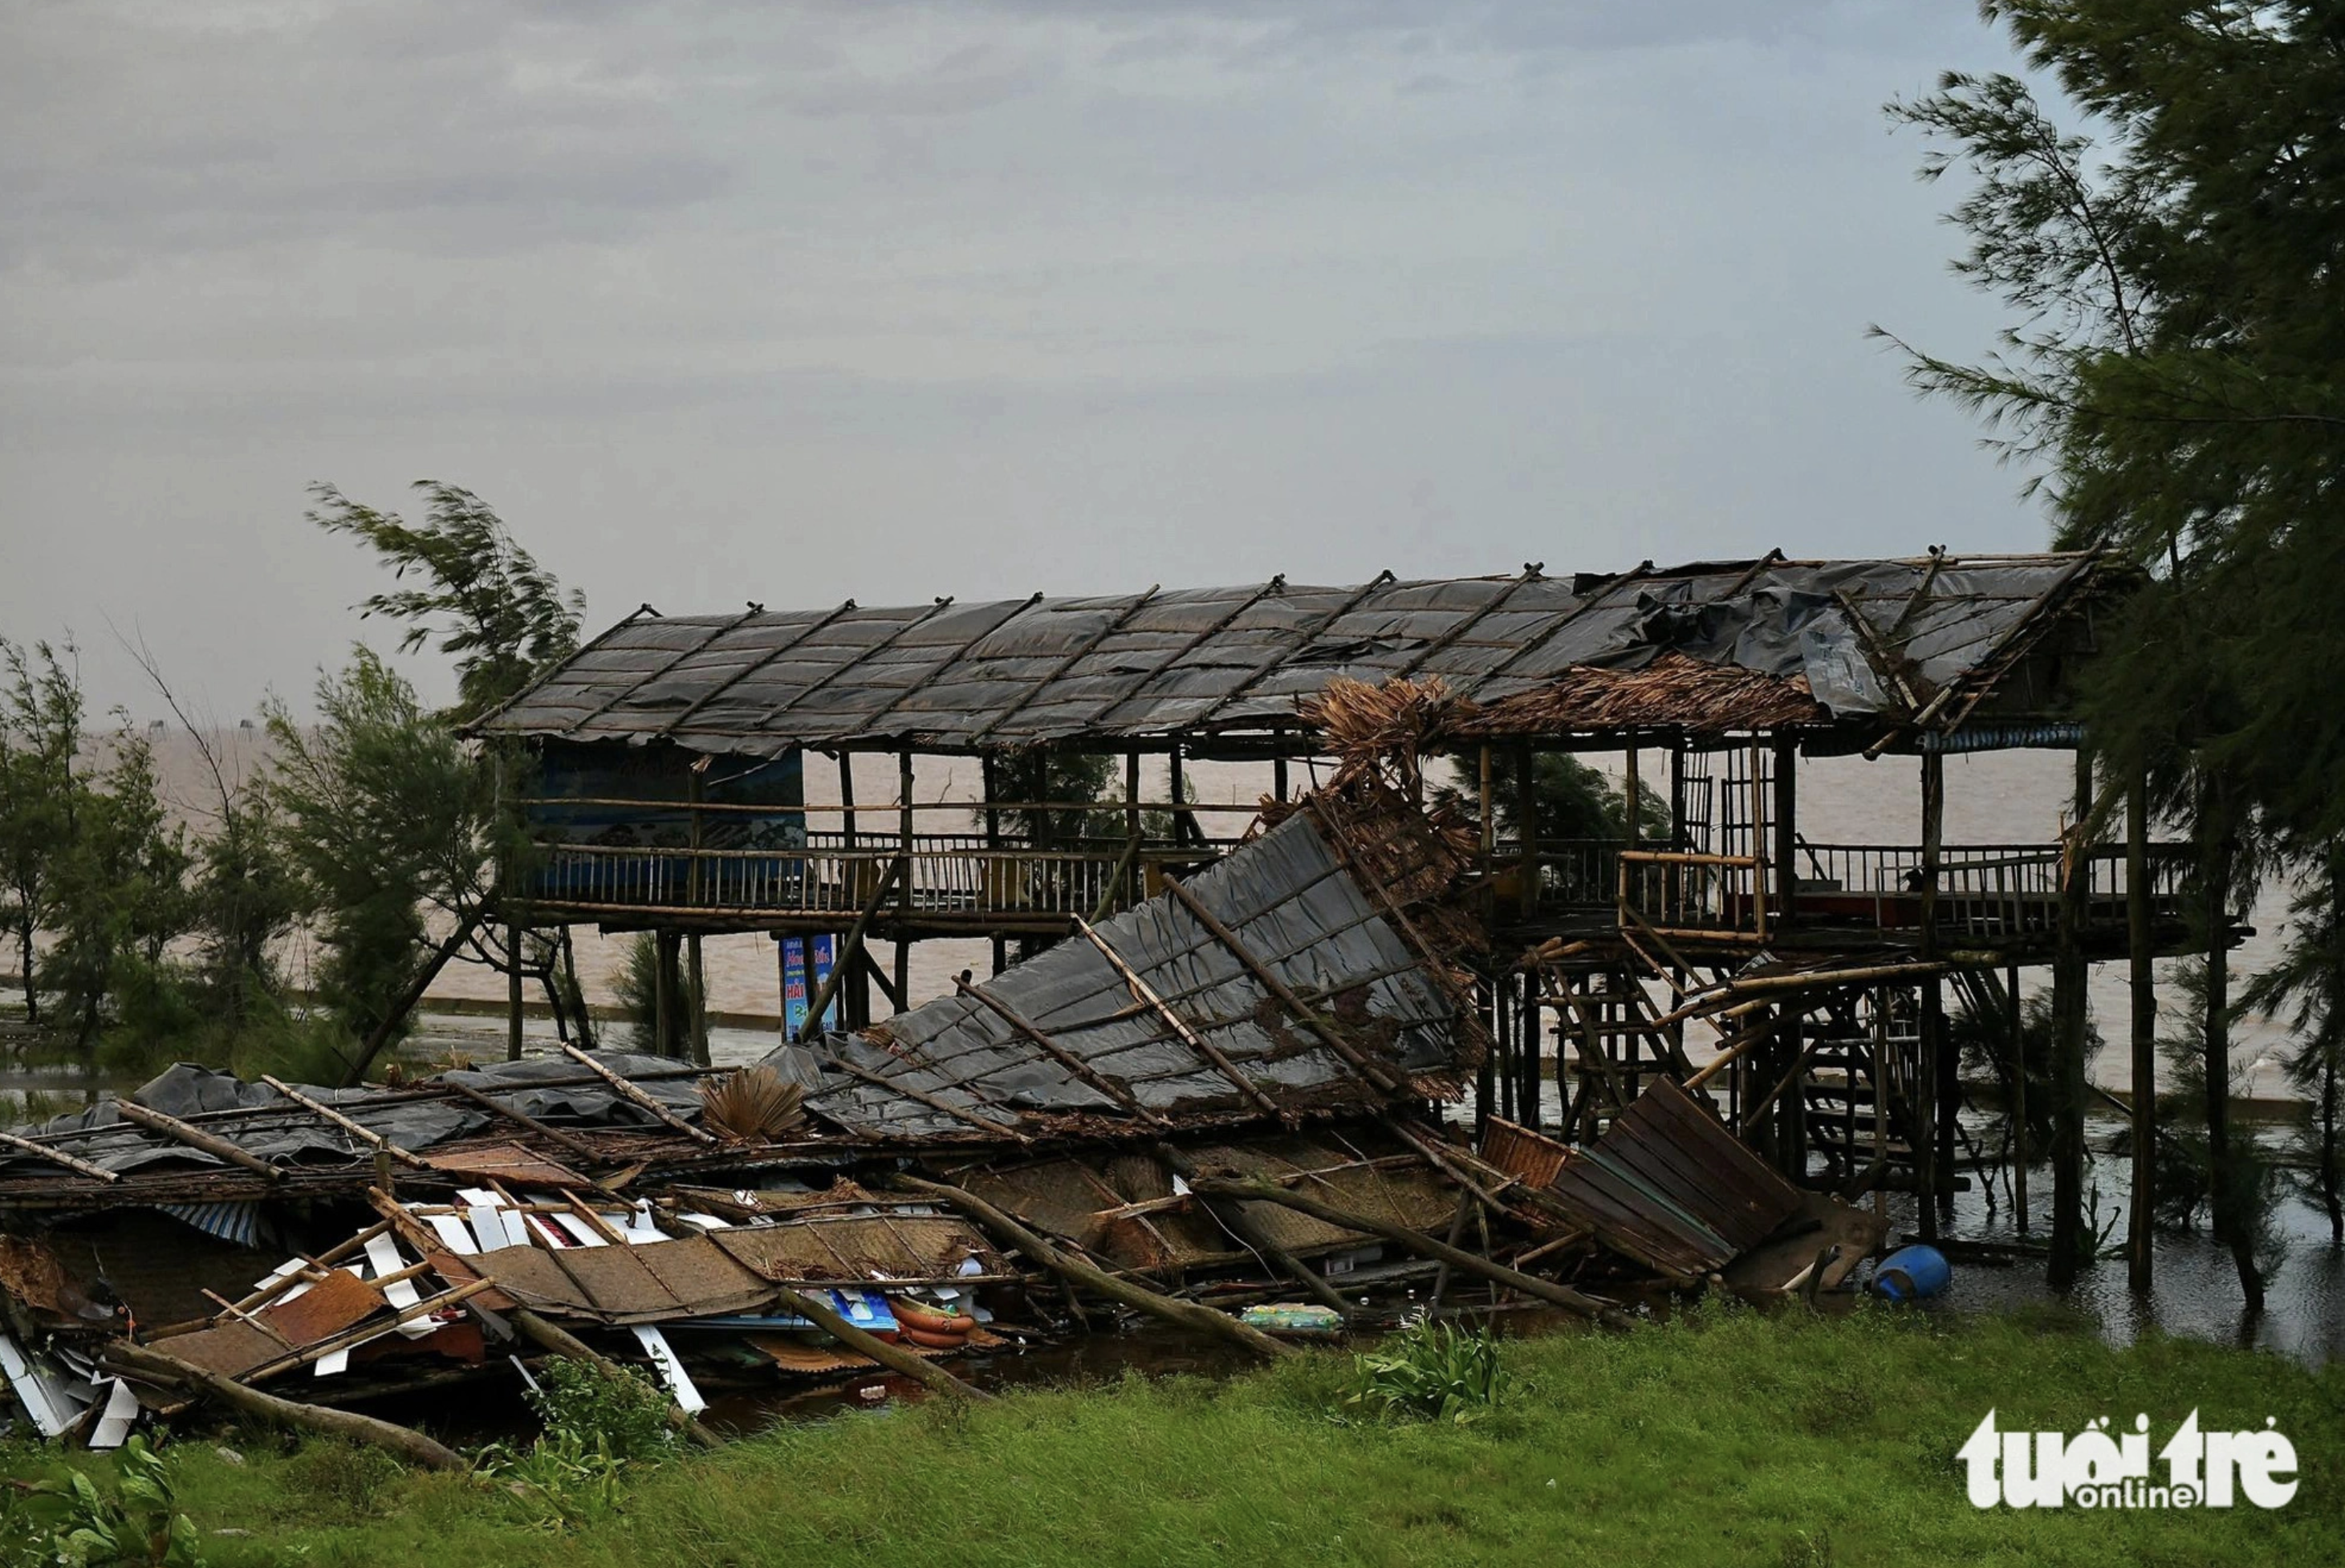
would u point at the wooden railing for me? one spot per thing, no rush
(957, 876)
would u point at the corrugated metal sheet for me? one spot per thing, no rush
(1667, 1186)
(1011, 672)
(968, 1065)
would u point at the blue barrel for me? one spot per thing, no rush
(1912, 1274)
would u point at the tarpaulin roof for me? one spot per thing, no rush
(1368, 1019)
(1859, 637)
(1071, 1042)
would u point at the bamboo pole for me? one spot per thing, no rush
(2144, 996)
(895, 1358)
(334, 1118)
(556, 1136)
(1546, 1290)
(630, 1092)
(1181, 1314)
(1146, 993)
(1059, 1054)
(404, 1441)
(1383, 1076)
(58, 1157)
(195, 1137)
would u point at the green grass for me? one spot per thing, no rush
(1724, 1438)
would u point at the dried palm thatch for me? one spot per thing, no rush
(1388, 726)
(1673, 692)
(751, 1105)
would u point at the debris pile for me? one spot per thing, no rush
(1214, 1111)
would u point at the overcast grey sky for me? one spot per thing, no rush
(795, 302)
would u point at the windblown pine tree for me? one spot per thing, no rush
(2172, 263)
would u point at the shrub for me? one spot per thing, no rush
(624, 1408)
(1428, 1372)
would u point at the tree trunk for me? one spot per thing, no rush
(25, 964)
(2330, 1197)
(2232, 1227)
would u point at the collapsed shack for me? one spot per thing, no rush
(1226, 1096)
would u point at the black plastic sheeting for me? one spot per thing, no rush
(1286, 898)
(951, 676)
(282, 1132)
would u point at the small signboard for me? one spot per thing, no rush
(799, 982)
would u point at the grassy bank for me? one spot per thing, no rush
(1724, 1439)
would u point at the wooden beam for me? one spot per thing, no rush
(1546, 1290)
(1180, 1026)
(1075, 1272)
(636, 1096)
(1059, 1054)
(58, 1157)
(1384, 1077)
(334, 1118)
(195, 1137)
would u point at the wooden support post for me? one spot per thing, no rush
(1787, 829)
(1534, 1090)
(2143, 997)
(1183, 824)
(512, 991)
(855, 989)
(1278, 777)
(1076, 1272)
(698, 978)
(663, 996)
(2070, 1241)
(1234, 1219)
(1530, 1285)
(904, 882)
(1882, 1077)
(1933, 1152)
(2016, 1027)
(992, 784)
(1527, 827)
(1632, 792)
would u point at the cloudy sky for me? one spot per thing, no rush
(799, 302)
